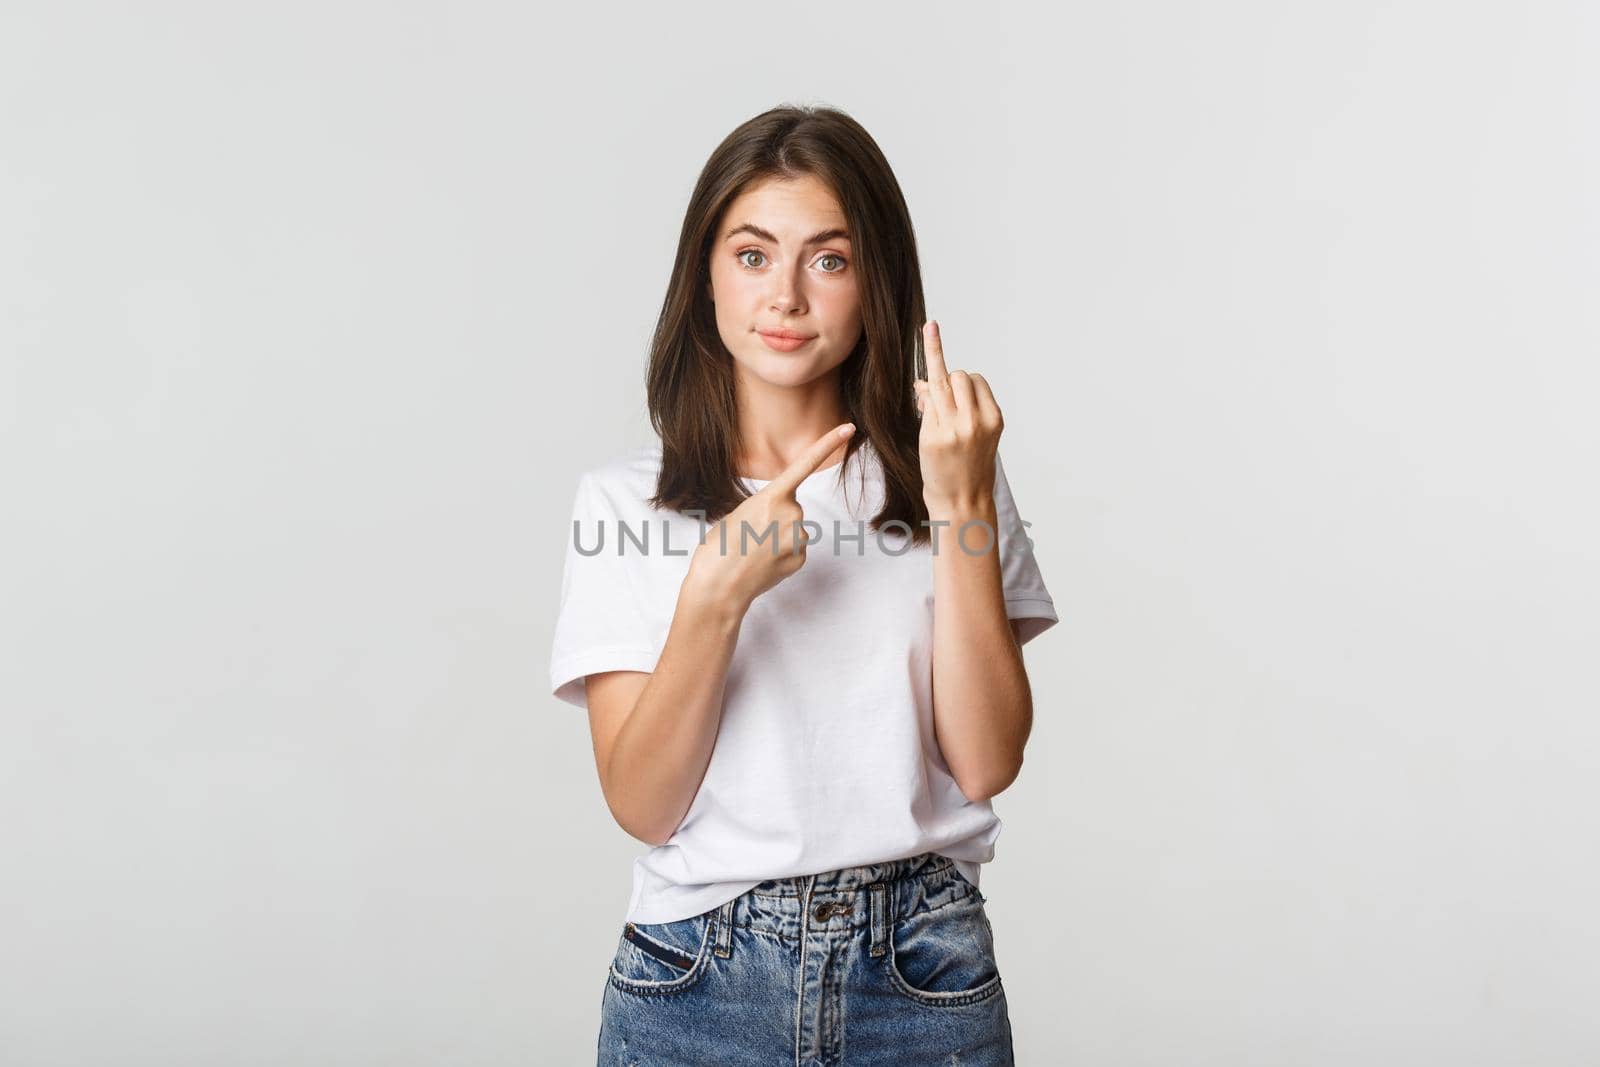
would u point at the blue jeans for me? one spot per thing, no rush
(889, 963)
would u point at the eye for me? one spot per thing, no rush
(743, 252)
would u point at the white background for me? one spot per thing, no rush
(310, 314)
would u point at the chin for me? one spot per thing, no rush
(781, 369)
(785, 376)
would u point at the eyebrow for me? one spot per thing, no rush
(815, 239)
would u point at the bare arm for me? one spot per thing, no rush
(654, 732)
(982, 702)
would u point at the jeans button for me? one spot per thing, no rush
(821, 913)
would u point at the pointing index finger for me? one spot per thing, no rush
(812, 458)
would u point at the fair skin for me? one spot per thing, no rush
(771, 269)
(982, 702)
(654, 732)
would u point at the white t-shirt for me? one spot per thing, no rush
(825, 755)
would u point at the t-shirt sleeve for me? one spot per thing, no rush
(600, 624)
(1026, 596)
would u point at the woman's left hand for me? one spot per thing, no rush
(961, 427)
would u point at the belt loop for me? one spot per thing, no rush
(725, 930)
(878, 905)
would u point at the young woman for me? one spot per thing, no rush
(796, 623)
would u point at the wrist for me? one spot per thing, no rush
(717, 604)
(956, 510)
(969, 522)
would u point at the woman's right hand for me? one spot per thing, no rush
(749, 567)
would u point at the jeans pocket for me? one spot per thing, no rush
(944, 957)
(662, 957)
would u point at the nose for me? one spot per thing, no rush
(786, 298)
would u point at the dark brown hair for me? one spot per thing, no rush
(690, 382)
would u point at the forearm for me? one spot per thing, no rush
(982, 703)
(661, 753)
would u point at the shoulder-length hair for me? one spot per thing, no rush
(690, 381)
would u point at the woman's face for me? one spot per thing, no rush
(780, 260)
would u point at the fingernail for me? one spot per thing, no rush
(847, 429)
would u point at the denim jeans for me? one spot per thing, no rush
(889, 963)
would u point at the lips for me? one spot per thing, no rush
(779, 343)
(787, 335)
